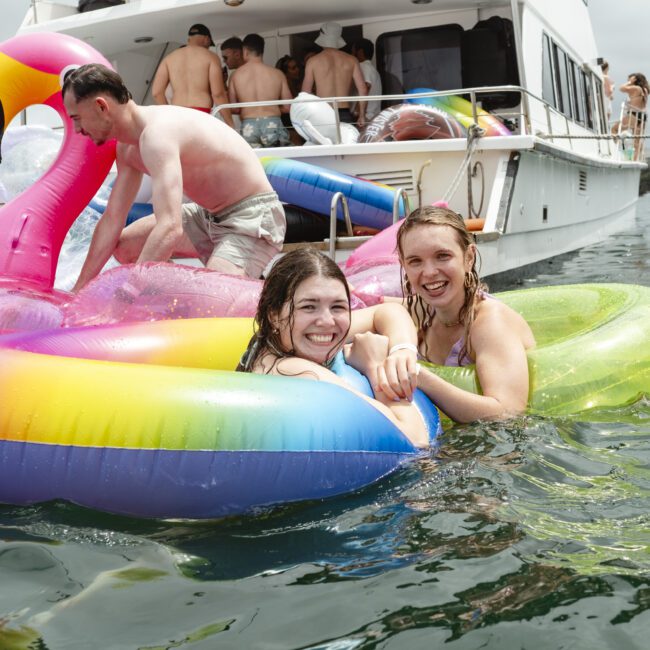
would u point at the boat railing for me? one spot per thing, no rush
(631, 131)
(531, 116)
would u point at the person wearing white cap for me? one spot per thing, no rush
(333, 72)
(194, 74)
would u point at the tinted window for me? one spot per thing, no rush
(562, 85)
(429, 57)
(578, 92)
(548, 89)
(589, 100)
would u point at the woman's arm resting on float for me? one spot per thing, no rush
(395, 374)
(403, 415)
(502, 370)
(111, 223)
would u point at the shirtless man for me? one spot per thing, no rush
(232, 52)
(194, 73)
(237, 223)
(255, 82)
(332, 72)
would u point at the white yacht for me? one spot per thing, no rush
(556, 183)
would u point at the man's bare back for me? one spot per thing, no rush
(189, 71)
(332, 73)
(254, 82)
(209, 152)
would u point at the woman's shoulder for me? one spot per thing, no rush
(269, 364)
(495, 318)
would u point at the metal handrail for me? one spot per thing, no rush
(400, 192)
(338, 197)
(474, 93)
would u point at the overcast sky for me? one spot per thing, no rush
(621, 28)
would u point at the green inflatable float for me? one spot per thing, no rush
(593, 346)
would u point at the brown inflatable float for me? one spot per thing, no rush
(412, 122)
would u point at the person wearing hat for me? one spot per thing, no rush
(194, 74)
(332, 73)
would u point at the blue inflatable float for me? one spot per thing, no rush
(312, 187)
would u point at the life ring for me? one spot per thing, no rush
(461, 110)
(411, 122)
(35, 222)
(312, 187)
(179, 438)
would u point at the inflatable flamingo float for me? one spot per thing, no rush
(34, 224)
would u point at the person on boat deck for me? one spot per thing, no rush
(608, 89)
(235, 226)
(634, 120)
(232, 52)
(290, 68)
(255, 82)
(458, 322)
(303, 320)
(333, 72)
(194, 74)
(364, 50)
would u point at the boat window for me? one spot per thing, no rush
(578, 92)
(600, 103)
(445, 57)
(427, 57)
(589, 100)
(562, 85)
(548, 89)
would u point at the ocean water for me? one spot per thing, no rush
(531, 534)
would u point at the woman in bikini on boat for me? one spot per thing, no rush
(634, 120)
(303, 320)
(458, 322)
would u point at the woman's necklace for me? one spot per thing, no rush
(451, 323)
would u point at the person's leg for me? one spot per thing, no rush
(135, 235)
(132, 240)
(248, 235)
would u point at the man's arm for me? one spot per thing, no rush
(161, 157)
(160, 83)
(232, 92)
(362, 90)
(285, 93)
(218, 90)
(308, 81)
(109, 227)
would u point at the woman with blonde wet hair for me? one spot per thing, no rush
(458, 322)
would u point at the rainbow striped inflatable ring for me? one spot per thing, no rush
(154, 423)
(461, 110)
(312, 187)
(34, 224)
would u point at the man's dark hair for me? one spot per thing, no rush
(232, 43)
(94, 79)
(365, 46)
(254, 43)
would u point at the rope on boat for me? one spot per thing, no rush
(473, 136)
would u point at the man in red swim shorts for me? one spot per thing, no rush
(194, 73)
